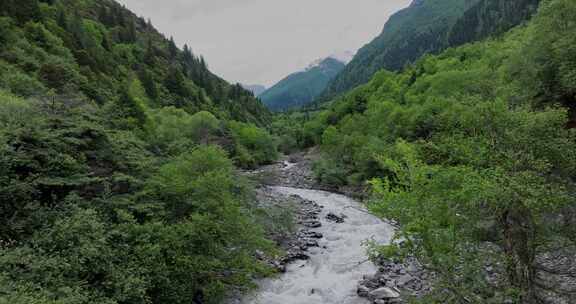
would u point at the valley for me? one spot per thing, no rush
(435, 165)
(326, 259)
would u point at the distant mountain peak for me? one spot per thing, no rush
(344, 57)
(257, 89)
(416, 3)
(300, 88)
(314, 64)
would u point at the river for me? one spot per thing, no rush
(332, 273)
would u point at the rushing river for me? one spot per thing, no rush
(331, 274)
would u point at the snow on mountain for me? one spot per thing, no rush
(314, 64)
(344, 57)
(255, 88)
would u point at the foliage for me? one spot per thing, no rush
(174, 129)
(253, 146)
(474, 137)
(94, 214)
(96, 47)
(289, 129)
(199, 189)
(117, 183)
(429, 27)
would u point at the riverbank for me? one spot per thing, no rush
(401, 281)
(328, 224)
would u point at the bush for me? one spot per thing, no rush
(175, 131)
(198, 192)
(253, 146)
(330, 173)
(21, 84)
(89, 216)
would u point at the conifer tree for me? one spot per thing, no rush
(107, 43)
(148, 83)
(76, 27)
(175, 82)
(149, 56)
(62, 18)
(131, 31)
(21, 10)
(172, 48)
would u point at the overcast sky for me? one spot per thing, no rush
(261, 41)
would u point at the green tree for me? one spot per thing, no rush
(146, 77)
(21, 10)
(172, 48)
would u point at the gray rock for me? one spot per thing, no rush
(403, 280)
(312, 224)
(363, 291)
(384, 293)
(335, 218)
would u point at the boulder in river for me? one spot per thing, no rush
(335, 218)
(363, 291)
(384, 293)
(312, 224)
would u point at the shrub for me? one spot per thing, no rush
(252, 143)
(21, 84)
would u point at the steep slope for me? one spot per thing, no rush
(429, 26)
(301, 88)
(118, 155)
(471, 148)
(256, 89)
(490, 17)
(95, 47)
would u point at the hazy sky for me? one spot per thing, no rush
(261, 41)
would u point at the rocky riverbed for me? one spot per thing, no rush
(291, 171)
(325, 259)
(310, 269)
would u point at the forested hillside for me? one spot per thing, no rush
(118, 156)
(472, 153)
(97, 48)
(428, 27)
(301, 88)
(490, 17)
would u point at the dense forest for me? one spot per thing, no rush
(98, 49)
(118, 156)
(428, 26)
(471, 152)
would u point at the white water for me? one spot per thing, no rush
(334, 269)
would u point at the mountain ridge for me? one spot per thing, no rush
(300, 88)
(256, 89)
(428, 27)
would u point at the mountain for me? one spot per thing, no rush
(256, 89)
(118, 156)
(301, 88)
(96, 48)
(428, 26)
(476, 133)
(490, 17)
